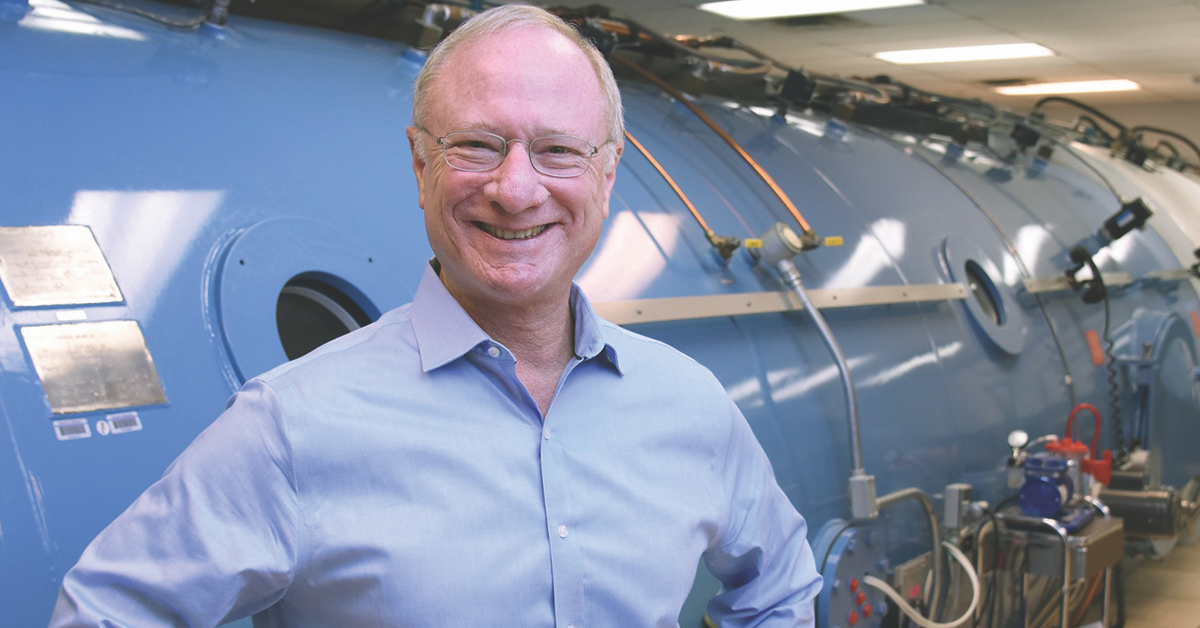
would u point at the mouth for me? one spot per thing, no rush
(504, 234)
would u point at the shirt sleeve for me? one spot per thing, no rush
(215, 539)
(762, 557)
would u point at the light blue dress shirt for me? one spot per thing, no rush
(402, 475)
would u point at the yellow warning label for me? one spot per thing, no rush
(834, 241)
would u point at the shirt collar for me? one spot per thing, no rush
(445, 332)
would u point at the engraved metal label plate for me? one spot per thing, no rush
(86, 367)
(55, 265)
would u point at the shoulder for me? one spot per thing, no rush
(644, 357)
(389, 339)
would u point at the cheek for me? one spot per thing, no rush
(441, 194)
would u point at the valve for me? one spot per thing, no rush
(1057, 480)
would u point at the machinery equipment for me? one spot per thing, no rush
(193, 196)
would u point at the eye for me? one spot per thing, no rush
(478, 144)
(561, 146)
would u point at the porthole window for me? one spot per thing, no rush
(310, 312)
(284, 286)
(985, 293)
(990, 306)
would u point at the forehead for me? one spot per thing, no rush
(526, 80)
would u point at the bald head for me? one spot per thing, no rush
(501, 20)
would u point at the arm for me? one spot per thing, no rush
(762, 558)
(213, 540)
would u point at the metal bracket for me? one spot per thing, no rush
(715, 306)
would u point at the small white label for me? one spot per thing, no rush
(72, 429)
(103, 428)
(122, 422)
(71, 315)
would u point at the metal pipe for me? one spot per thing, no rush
(725, 245)
(791, 278)
(1066, 581)
(808, 235)
(935, 530)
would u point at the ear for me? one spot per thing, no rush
(610, 176)
(419, 164)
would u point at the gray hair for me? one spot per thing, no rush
(509, 17)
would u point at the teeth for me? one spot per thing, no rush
(513, 235)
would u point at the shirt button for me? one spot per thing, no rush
(494, 351)
(562, 532)
(546, 432)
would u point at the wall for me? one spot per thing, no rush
(1183, 118)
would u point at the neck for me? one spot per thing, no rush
(541, 334)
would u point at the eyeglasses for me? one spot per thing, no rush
(561, 156)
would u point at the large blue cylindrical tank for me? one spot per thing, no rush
(212, 171)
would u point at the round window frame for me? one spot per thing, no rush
(1010, 332)
(254, 266)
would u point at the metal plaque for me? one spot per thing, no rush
(56, 265)
(85, 367)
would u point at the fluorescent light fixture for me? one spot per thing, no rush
(763, 9)
(965, 53)
(1072, 87)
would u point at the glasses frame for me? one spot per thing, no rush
(504, 155)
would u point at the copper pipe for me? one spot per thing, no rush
(724, 245)
(671, 182)
(804, 226)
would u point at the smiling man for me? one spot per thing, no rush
(492, 453)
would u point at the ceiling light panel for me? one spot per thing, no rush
(1071, 87)
(960, 54)
(766, 9)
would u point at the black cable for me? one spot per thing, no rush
(1169, 146)
(188, 24)
(1113, 386)
(968, 106)
(829, 550)
(1091, 110)
(1143, 128)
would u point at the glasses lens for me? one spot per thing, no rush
(561, 155)
(473, 151)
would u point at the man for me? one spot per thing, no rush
(500, 455)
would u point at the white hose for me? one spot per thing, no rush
(912, 613)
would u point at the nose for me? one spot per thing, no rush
(515, 186)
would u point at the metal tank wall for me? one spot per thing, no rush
(215, 166)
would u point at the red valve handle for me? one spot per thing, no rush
(1096, 434)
